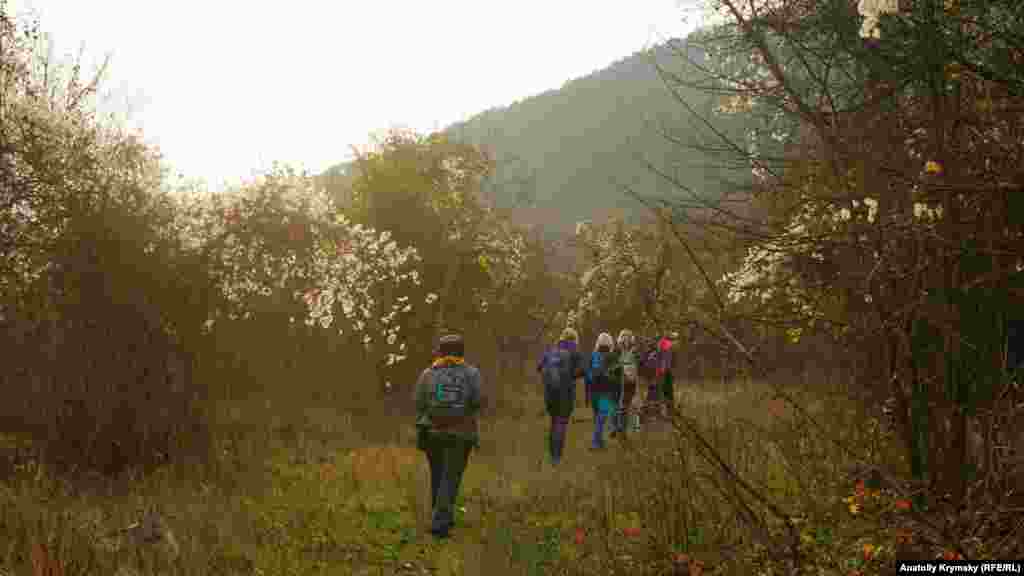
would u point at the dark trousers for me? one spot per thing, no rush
(623, 406)
(653, 390)
(556, 438)
(668, 390)
(447, 455)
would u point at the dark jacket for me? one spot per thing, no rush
(563, 403)
(465, 427)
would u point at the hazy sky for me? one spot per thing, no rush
(225, 87)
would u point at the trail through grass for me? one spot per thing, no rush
(318, 491)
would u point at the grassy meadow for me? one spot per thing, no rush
(210, 383)
(311, 488)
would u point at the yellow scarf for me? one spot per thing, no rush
(448, 361)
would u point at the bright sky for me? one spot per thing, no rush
(225, 87)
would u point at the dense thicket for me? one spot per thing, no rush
(887, 222)
(132, 312)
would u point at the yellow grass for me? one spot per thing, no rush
(303, 490)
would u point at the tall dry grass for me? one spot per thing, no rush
(302, 486)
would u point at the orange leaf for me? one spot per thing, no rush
(42, 564)
(39, 559)
(580, 535)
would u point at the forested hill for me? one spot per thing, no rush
(564, 154)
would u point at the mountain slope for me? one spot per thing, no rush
(583, 142)
(565, 155)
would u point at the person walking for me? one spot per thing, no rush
(598, 386)
(560, 366)
(627, 358)
(648, 368)
(665, 371)
(615, 386)
(448, 400)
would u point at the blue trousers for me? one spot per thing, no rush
(603, 408)
(447, 455)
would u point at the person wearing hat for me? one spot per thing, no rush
(448, 400)
(665, 372)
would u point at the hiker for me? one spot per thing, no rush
(665, 371)
(628, 361)
(598, 386)
(448, 400)
(615, 386)
(559, 367)
(648, 367)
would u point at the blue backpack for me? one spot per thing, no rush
(557, 369)
(598, 369)
(557, 372)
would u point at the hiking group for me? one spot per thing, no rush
(448, 400)
(612, 375)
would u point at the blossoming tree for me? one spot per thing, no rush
(278, 246)
(631, 277)
(890, 213)
(474, 259)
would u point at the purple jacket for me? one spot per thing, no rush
(562, 345)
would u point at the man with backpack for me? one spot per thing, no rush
(448, 400)
(559, 368)
(600, 389)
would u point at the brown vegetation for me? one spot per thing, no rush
(133, 381)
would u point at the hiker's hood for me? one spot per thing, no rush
(569, 345)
